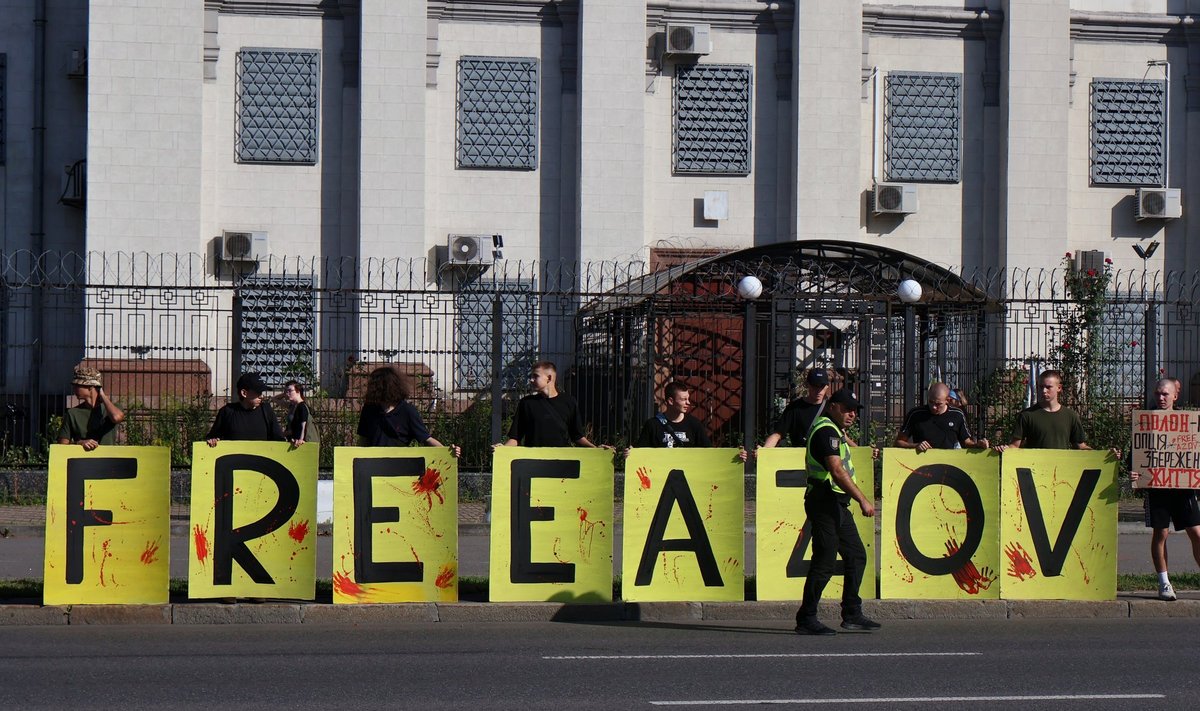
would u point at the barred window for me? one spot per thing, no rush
(923, 127)
(712, 119)
(473, 335)
(498, 112)
(278, 92)
(278, 323)
(1129, 132)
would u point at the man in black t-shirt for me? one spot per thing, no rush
(798, 416)
(249, 418)
(674, 427)
(547, 418)
(936, 425)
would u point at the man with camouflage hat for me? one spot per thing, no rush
(94, 420)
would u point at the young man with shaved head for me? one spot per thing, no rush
(936, 425)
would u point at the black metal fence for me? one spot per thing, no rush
(172, 332)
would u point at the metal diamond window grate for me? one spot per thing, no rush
(498, 112)
(473, 336)
(3, 103)
(1129, 132)
(923, 127)
(278, 323)
(712, 119)
(278, 101)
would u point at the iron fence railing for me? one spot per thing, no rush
(172, 332)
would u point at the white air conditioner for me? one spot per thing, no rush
(1090, 260)
(244, 246)
(688, 39)
(894, 198)
(1158, 203)
(470, 249)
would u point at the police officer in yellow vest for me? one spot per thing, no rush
(827, 503)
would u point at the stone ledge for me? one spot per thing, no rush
(371, 614)
(1078, 609)
(120, 615)
(235, 614)
(34, 615)
(1146, 609)
(664, 611)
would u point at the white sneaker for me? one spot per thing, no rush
(1166, 592)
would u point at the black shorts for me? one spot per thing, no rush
(1167, 506)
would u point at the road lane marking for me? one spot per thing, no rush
(913, 699)
(767, 656)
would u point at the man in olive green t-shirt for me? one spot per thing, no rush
(1049, 424)
(94, 420)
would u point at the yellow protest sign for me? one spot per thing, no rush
(552, 519)
(940, 527)
(108, 525)
(782, 545)
(395, 524)
(684, 525)
(252, 529)
(1058, 535)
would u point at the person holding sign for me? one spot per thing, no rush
(387, 418)
(94, 420)
(546, 418)
(249, 418)
(674, 427)
(1167, 506)
(798, 416)
(936, 425)
(1049, 424)
(830, 489)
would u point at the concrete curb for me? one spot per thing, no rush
(201, 613)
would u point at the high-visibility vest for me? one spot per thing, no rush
(816, 470)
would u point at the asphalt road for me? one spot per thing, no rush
(21, 556)
(1036, 664)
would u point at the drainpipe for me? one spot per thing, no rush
(37, 228)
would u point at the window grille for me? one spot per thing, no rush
(498, 112)
(712, 119)
(473, 336)
(923, 127)
(278, 101)
(3, 102)
(1129, 132)
(278, 325)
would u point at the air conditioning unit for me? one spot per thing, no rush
(1090, 260)
(77, 64)
(1158, 204)
(74, 184)
(471, 249)
(244, 246)
(894, 198)
(688, 39)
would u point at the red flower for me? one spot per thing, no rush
(1133, 343)
(1068, 255)
(1108, 260)
(1066, 346)
(1091, 272)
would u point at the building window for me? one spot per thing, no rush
(498, 112)
(712, 119)
(924, 127)
(278, 105)
(278, 322)
(473, 335)
(1129, 132)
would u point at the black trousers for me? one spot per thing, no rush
(833, 533)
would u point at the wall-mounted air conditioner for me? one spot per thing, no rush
(1158, 203)
(688, 39)
(894, 199)
(74, 184)
(472, 249)
(1090, 260)
(244, 246)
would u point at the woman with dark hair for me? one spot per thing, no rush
(388, 419)
(300, 428)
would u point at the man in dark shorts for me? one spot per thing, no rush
(831, 487)
(249, 418)
(1167, 506)
(674, 427)
(936, 425)
(800, 413)
(546, 418)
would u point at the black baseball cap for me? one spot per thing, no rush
(252, 382)
(817, 377)
(845, 398)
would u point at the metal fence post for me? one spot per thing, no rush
(750, 376)
(497, 366)
(911, 344)
(1150, 338)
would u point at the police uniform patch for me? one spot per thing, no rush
(833, 443)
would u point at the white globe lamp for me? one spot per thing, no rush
(749, 287)
(909, 291)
